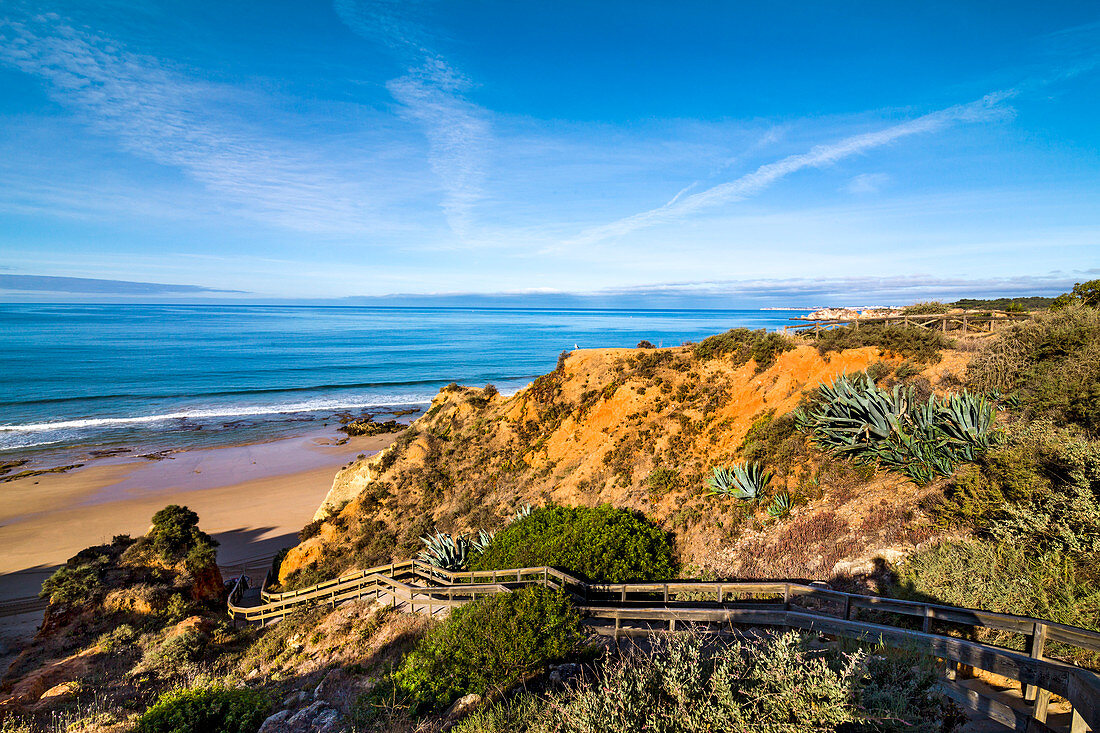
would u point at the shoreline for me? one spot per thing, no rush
(252, 498)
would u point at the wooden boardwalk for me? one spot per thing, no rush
(965, 322)
(627, 609)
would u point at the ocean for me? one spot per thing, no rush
(78, 379)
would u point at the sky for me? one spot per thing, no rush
(706, 154)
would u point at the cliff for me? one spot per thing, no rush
(637, 428)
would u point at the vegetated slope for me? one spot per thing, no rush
(640, 429)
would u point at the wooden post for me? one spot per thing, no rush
(786, 596)
(927, 628)
(1038, 644)
(624, 593)
(494, 576)
(672, 624)
(666, 594)
(847, 608)
(720, 594)
(1042, 705)
(964, 323)
(618, 624)
(945, 324)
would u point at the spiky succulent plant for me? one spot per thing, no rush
(741, 481)
(481, 542)
(922, 439)
(524, 511)
(446, 551)
(780, 506)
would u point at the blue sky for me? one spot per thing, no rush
(693, 153)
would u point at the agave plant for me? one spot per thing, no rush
(970, 420)
(442, 550)
(853, 417)
(780, 506)
(522, 512)
(741, 481)
(481, 542)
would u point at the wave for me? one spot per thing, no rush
(218, 412)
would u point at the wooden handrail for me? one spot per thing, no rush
(443, 589)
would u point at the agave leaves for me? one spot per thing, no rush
(781, 505)
(922, 439)
(446, 551)
(741, 481)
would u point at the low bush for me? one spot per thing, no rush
(931, 307)
(206, 709)
(687, 683)
(662, 480)
(1051, 363)
(489, 645)
(1006, 578)
(74, 584)
(743, 344)
(1039, 488)
(911, 342)
(601, 543)
(176, 536)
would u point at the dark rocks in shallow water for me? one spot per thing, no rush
(369, 427)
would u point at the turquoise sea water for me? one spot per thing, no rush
(82, 377)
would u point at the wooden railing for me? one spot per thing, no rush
(425, 589)
(966, 322)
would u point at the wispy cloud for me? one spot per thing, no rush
(165, 116)
(87, 285)
(431, 94)
(987, 108)
(867, 183)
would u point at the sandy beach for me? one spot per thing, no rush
(252, 498)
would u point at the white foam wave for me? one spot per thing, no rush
(217, 412)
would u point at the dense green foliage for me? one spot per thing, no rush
(206, 709)
(176, 536)
(1039, 488)
(1026, 303)
(853, 417)
(1052, 362)
(81, 578)
(912, 342)
(1034, 503)
(489, 645)
(601, 543)
(688, 684)
(930, 307)
(742, 344)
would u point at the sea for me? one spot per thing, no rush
(80, 381)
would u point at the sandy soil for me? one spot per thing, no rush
(252, 498)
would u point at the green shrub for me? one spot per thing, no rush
(1051, 362)
(176, 535)
(72, 585)
(931, 307)
(489, 645)
(601, 543)
(173, 655)
(1040, 488)
(205, 710)
(662, 480)
(1005, 578)
(912, 342)
(687, 683)
(742, 344)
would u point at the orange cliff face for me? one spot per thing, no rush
(591, 432)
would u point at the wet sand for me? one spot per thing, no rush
(252, 498)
